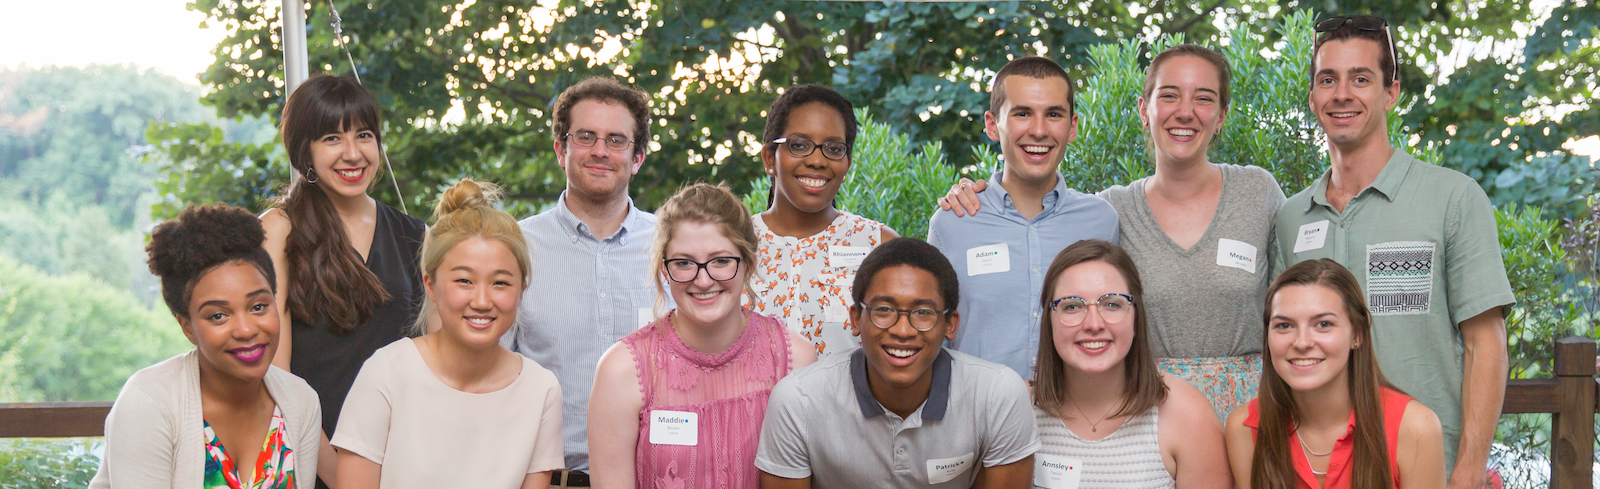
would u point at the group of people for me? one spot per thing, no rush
(1212, 326)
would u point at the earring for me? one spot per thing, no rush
(311, 177)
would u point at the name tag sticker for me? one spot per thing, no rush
(1236, 254)
(995, 258)
(1056, 472)
(1311, 236)
(834, 313)
(942, 470)
(674, 428)
(645, 317)
(847, 256)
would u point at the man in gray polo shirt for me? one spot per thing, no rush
(590, 283)
(1420, 238)
(900, 411)
(1028, 215)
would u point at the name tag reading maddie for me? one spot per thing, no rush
(674, 428)
(1056, 472)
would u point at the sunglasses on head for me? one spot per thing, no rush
(1368, 23)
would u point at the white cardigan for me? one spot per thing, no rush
(154, 434)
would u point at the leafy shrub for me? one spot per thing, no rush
(34, 463)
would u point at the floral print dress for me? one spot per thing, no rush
(274, 466)
(805, 282)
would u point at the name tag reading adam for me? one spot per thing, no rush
(674, 428)
(1236, 254)
(847, 256)
(995, 258)
(1056, 472)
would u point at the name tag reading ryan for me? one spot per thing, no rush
(674, 428)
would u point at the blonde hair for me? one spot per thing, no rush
(708, 204)
(467, 211)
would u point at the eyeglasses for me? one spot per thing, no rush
(1367, 23)
(885, 316)
(1072, 310)
(802, 147)
(586, 139)
(684, 270)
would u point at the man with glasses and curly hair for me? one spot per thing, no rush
(1421, 238)
(590, 284)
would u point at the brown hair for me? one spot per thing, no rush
(1031, 67)
(1270, 466)
(708, 204)
(327, 278)
(465, 211)
(1224, 72)
(1386, 63)
(1144, 389)
(606, 89)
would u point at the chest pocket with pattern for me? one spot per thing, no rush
(1400, 277)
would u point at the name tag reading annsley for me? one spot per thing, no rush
(1056, 472)
(674, 428)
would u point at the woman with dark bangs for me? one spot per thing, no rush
(346, 263)
(1326, 417)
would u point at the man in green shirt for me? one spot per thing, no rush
(1421, 239)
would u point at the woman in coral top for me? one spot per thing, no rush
(1326, 417)
(679, 403)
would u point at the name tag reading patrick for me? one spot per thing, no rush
(942, 470)
(847, 256)
(674, 428)
(1236, 254)
(1056, 472)
(995, 258)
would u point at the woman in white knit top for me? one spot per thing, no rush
(220, 415)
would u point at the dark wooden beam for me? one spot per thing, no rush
(53, 419)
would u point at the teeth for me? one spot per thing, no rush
(899, 353)
(1343, 114)
(1094, 345)
(706, 295)
(1305, 362)
(1181, 132)
(350, 172)
(480, 321)
(1036, 149)
(812, 182)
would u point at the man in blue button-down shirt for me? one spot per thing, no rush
(1027, 216)
(590, 284)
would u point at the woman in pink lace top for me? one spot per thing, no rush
(679, 403)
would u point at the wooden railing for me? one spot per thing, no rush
(1570, 396)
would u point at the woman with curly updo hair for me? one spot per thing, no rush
(196, 420)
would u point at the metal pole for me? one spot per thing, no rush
(294, 44)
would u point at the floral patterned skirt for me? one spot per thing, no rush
(1228, 382)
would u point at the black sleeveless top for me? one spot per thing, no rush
(329, 361)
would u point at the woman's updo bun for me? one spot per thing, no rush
(467, 210)
(201, 238)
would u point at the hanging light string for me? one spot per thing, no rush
(338, 39)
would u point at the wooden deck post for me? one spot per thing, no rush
(1572, 425)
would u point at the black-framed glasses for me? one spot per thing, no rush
(1072, 310)
(802, 147)
(586, 139)
(1368, 23)
(885, 316)
(683, 270)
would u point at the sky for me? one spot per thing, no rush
(159, 34)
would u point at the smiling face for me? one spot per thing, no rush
(1309, 336)
(477, 287)
(346, 162)
(1184, 109)
(233, 322)
(1034, 126)
(900, 358)
(809, 184)
(1348, 95)
(704, 301)
(1094, 345)
(597, 172)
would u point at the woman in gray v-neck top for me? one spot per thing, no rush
(1204, 302)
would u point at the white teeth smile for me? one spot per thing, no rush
(1343, 114)
(1181, 132)
(899, 353)
(480, 321)
(1036, 149)
(703, 296)
(350, 172)
(812, 182)
(1094, 345)
(1305, 362)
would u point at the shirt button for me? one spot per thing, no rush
(1036, 315)
(602, 295)
(900, 451)
(1344, 224)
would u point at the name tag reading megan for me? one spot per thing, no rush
(674, 428)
